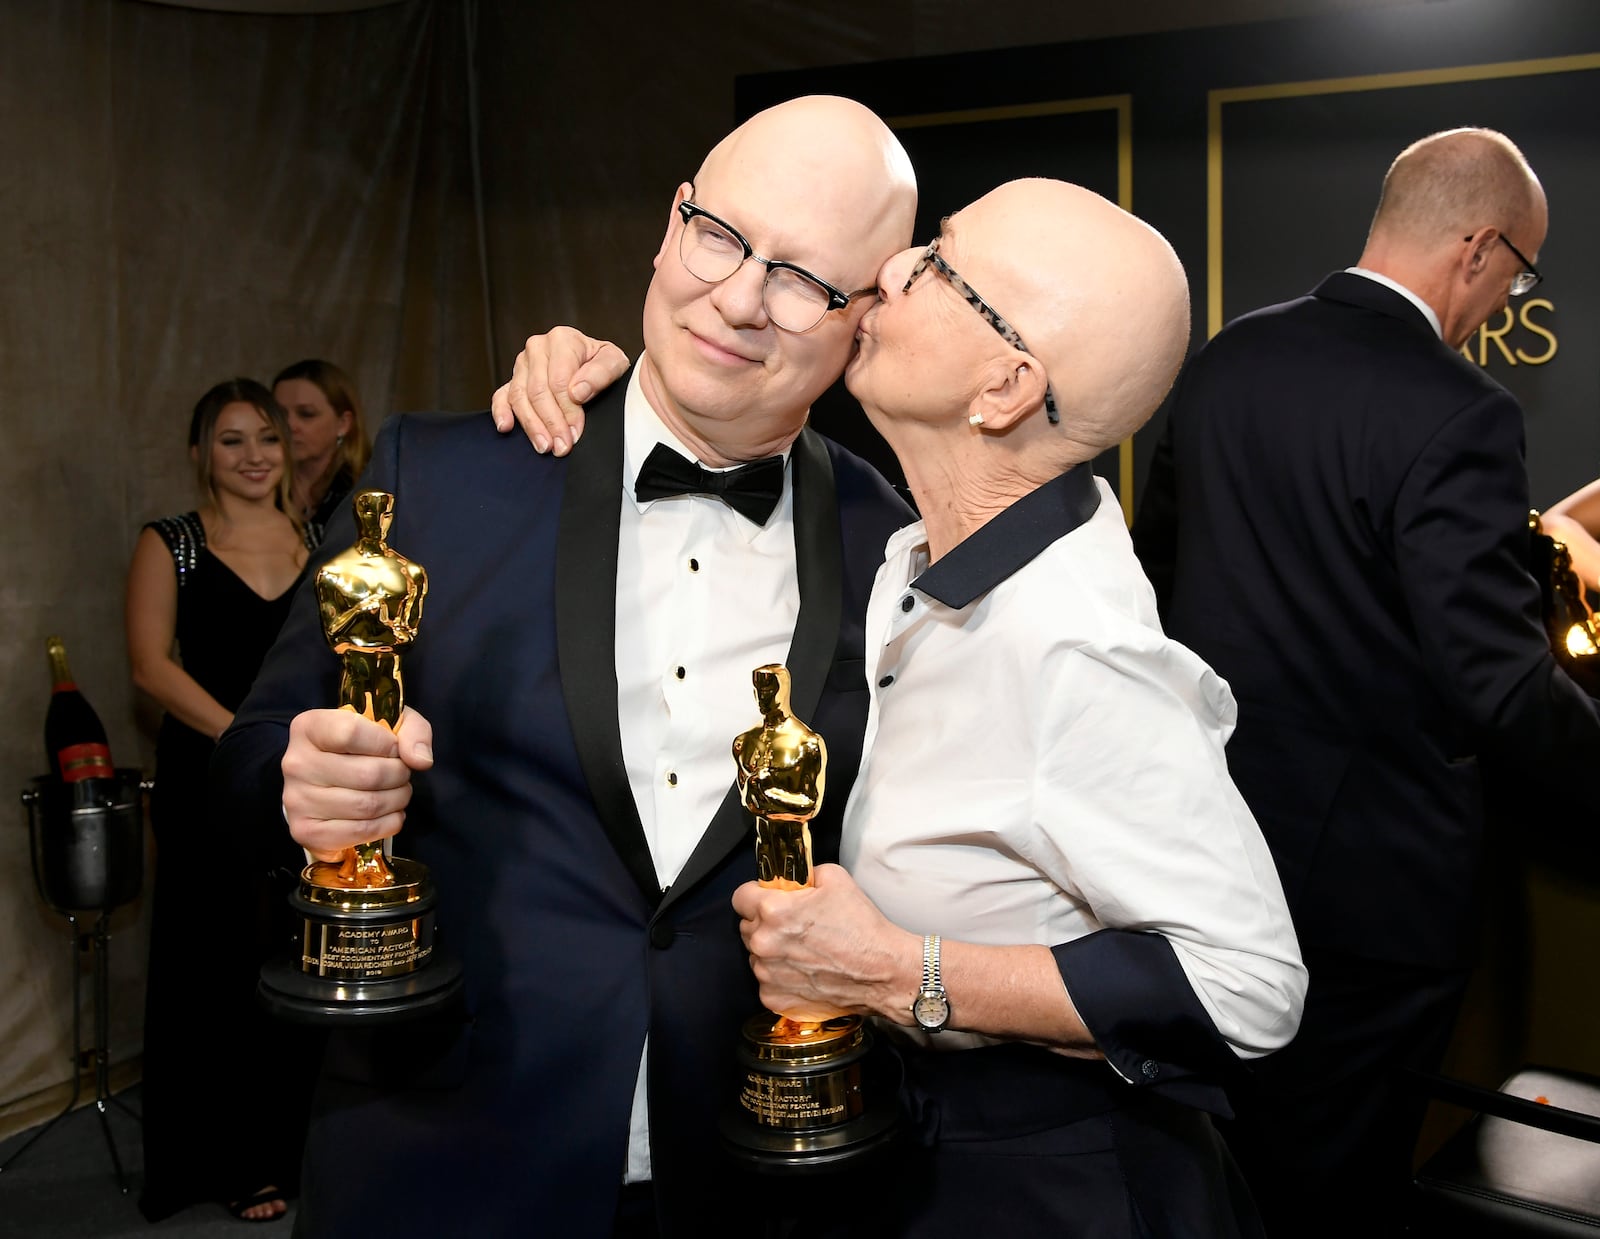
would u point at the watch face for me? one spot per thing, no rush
(931, 1010)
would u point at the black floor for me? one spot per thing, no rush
(65, 1186)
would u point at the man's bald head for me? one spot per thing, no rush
(1453, 206)
(1453, 183)
(819, 184)
(836, 156)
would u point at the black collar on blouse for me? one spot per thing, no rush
(1013, 539)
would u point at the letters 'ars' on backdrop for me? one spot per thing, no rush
(1259, 151)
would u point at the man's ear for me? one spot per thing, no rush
(673, 224)
(1475, 256)
(1013, 386)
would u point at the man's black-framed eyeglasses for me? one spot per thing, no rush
(712, 250)
(1526, 280)
(1008, 333)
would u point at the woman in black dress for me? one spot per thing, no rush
(329, 441)
(225, 1091)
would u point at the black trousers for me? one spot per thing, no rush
(1326, 1129)
(636, 1212)
(1015, 1140)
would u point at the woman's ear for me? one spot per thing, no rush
(1012, 389)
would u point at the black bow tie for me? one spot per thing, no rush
(751, 490)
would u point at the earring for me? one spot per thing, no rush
(975, 420)
(338, 440)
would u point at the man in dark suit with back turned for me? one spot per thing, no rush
(584, 663)
(1336, 520)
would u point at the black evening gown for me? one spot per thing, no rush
(227, 1089)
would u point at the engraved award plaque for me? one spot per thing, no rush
(806, 1102)
(365, 923)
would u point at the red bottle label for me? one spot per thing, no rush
(85, 761)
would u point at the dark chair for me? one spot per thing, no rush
(1527, 1164)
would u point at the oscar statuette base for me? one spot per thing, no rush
(808, 1101)
(366, 954)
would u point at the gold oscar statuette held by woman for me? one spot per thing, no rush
(782, 775)
(802, 1104)
(783, 771)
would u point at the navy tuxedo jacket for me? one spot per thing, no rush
(1336, 520)
(514, 1120)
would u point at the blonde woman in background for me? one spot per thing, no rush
(329, 441)
(225, 1096)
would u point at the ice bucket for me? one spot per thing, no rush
(87, 839)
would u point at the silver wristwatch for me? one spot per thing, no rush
(931, 1010)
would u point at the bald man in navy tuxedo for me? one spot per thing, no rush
(563, 766)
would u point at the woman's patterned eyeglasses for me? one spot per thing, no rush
(1008, 333)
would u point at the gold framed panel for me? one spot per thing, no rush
(1216, 99)
(1122, 106)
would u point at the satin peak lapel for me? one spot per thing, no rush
(586, 627)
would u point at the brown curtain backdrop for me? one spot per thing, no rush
(194, 194)
(191, 196)
(408, 190)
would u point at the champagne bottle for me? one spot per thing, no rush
(74, 739)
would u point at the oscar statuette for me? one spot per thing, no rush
(365, 923)
(807, 1101)
(1569, 620)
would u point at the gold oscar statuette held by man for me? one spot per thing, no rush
(366, 921)
(802, 1105)
(370, 600)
